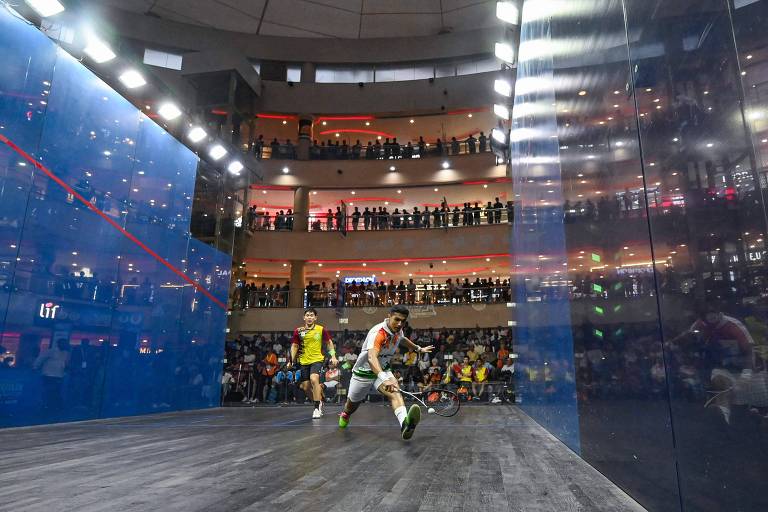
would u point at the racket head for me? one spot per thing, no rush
(445, 402)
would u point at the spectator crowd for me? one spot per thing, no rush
(476, 363)
(359, 294)
(373, 150)
(373, 218)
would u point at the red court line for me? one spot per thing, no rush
(114, 224)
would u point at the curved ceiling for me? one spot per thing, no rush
(350, 19)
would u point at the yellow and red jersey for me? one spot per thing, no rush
(310, 342)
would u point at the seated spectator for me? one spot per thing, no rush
(508, 370)
(479, 379)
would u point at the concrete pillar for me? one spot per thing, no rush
(305, 137)
(297, 284)
(308, 73)
(229, 124)
(301, 210)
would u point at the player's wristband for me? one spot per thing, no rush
(332, 353)
(383, 375)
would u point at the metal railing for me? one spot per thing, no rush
(374, 295)
(341, 150)
(381, 220)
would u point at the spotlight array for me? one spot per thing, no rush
(100, 52)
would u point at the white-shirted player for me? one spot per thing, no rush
(372, 369)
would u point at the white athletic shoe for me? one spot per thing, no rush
(321, 409)
(316, 414)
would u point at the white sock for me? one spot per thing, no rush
(401, 413)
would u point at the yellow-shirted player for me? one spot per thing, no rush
(307, 344)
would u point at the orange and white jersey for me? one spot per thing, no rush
(386, 341)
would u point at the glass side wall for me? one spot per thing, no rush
(108, 306)
(656, 182)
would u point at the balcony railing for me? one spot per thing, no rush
(382, 221)
(372, 151)
(365, 296)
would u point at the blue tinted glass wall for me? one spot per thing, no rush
(100, 313)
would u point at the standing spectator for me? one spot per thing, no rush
(497, 208)
(422, 147)
(366, 219)
(437, 217)
(483, 142)
(416, 217)
(53, 365)
(401, 293)
(411, 288)
(396, 219)
(344, 154)
(489, 218)
(477, 212)
(406, 219)
(426, 217)
(408, 150)
(329, 220)
(374, 219)
(439, 147)
(339, 218)
(382, 218)
(355, 218)
(268, 370)
(456, 214)
(454, 146)
(258, 147)
(274, 149)
(289, 220)
(471, 144)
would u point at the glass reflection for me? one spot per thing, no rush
(96, 250)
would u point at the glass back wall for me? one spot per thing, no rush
(648, 157)
(108, 307)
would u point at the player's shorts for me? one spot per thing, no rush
(360, 387)
(309, 369)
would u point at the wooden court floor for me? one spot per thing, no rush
(487, 458)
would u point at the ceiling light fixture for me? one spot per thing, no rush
(46, 8)
(196, 134)
(169, 111)
(132, 79)
(98, 50)
(217, 152)
(503, 87)
(235, 167)
(507, 12)
(501, 111)
(505, 52)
